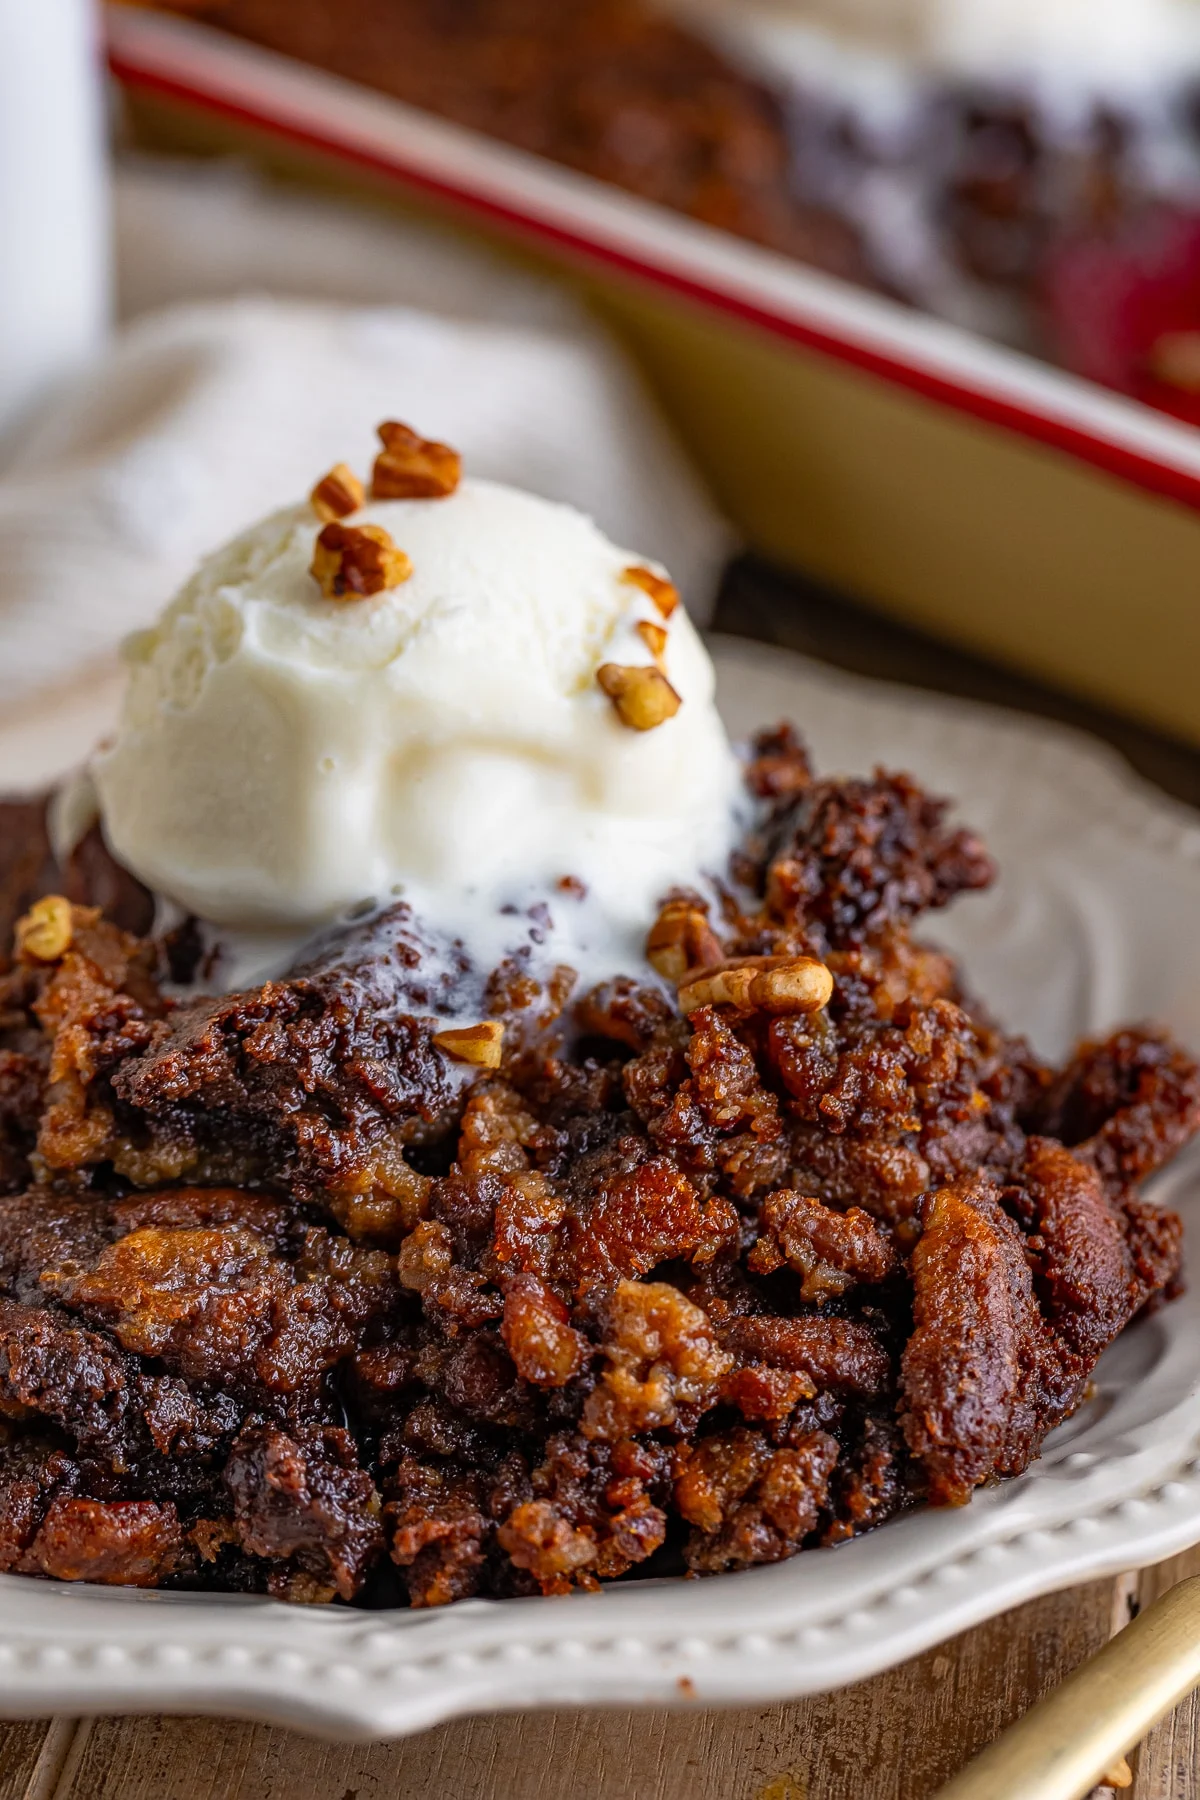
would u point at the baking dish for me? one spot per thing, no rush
(981, 495)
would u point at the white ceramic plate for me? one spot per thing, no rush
(1094, 921)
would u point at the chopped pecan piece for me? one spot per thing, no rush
(538, 1335)
(479, 1044)
(681, 938)
(664, 593)
(410, 467)
(643, 697)
(983, 1376)
(663, 1363)
(770, 984)
(337, 494)
(352, 562)
(45, 932)
(537, 1537)
(831, 1250)
(425, 1256)
(749, 1502)
(655, 639)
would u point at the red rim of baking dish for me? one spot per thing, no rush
(202, 68)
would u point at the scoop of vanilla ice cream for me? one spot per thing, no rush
(283, 757)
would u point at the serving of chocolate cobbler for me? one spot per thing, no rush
(430, 1264)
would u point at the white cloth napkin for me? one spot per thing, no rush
(203, 416)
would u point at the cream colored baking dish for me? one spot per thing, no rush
(974, 492)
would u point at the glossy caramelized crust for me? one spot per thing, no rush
(293, 1301)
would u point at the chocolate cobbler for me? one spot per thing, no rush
(740, 1254)
(403, 1271)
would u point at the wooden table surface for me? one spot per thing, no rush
(897, 1737)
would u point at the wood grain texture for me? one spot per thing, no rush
(20, 1747)
(33, 1757)
(1167, 1765)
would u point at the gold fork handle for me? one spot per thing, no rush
(1065, 1743)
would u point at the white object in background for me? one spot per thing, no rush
(1060, 46)
(186, 230)
(54, 295)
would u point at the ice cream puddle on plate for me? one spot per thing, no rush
(450, 694)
